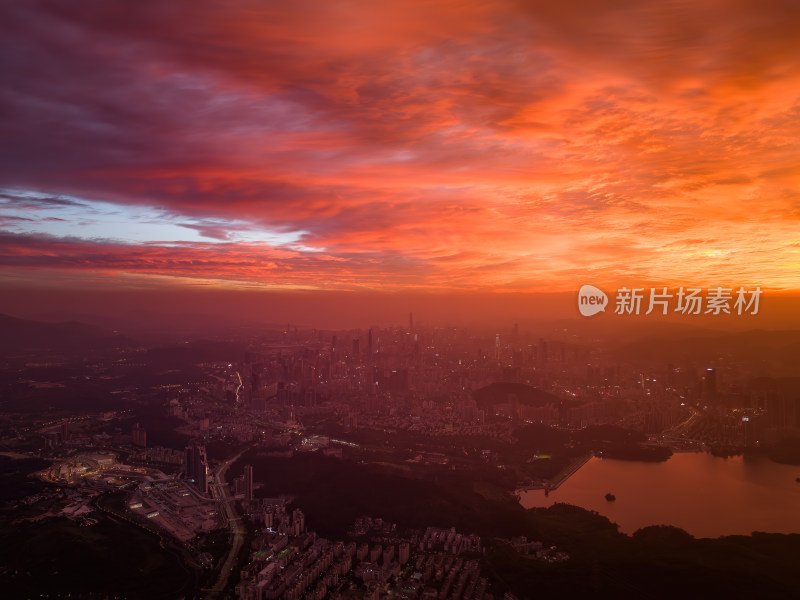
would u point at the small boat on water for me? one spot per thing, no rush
(610, 497)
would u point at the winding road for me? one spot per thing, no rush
(221, 492)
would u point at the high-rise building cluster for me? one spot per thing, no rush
(196, 467)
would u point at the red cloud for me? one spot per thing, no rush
(415, 144)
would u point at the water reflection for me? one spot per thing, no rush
(703, 494)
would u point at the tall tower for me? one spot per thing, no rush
(710, 385)
(411, 321)
(298, 521)
(202, 470)
(139, 436)
(404, 553)
(197, 466)
(248, 483)
(369, 343)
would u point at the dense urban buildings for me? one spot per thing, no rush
(291, 464)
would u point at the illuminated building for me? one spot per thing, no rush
(197, 467)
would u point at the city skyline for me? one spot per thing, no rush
(408, 299)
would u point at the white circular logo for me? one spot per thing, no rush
(591, 300)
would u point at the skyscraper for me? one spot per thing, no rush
(248, 483)
(197, 466)
(710, 385)
(404, 553)
(298, 521)
(139, 436)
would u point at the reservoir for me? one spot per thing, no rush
(703, 494)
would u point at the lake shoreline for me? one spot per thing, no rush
(707, 496)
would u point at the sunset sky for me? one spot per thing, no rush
(461, 146)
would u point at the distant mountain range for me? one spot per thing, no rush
(153, 328)
(21, 335)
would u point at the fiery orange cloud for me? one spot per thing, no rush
(496, 146)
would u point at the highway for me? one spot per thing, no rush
(683, 427)
(220, 491)
(677, 437)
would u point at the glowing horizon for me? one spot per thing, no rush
(468, 146)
